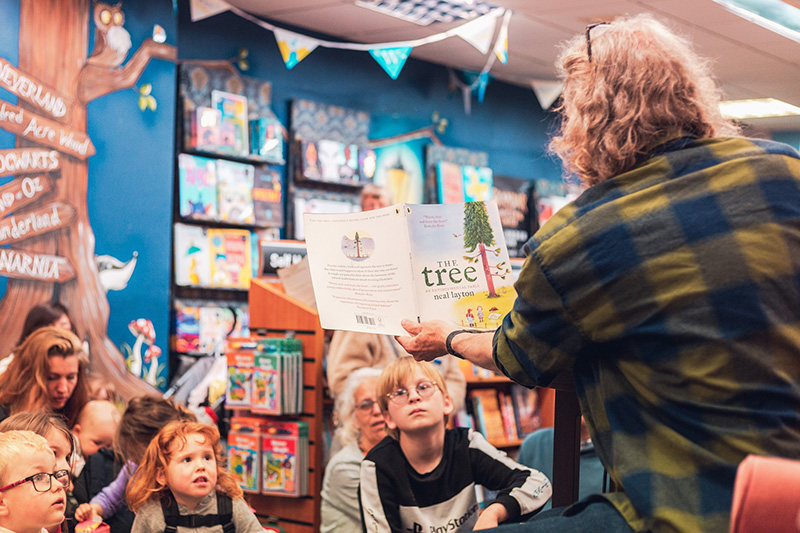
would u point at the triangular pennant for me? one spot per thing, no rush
(483, 81)
(202, 9)
(479, 32)
(391, 59)
(294, 47)
(501, 44)
(547, 91)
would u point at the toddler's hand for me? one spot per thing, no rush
(86, 511)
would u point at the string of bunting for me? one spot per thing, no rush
(295, 47)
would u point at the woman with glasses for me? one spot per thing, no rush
(360, 427)
(668, 289)
(48, 373)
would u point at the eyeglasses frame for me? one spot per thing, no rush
(589, 29)
(62, 473)
(392, 395)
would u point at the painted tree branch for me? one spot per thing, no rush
(94, 81)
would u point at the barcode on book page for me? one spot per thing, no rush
(361, 319)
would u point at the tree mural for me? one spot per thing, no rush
(50, 162)
(478, 235)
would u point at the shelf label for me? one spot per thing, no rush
(277, 254)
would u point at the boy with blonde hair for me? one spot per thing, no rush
(423, 476)
(32, 494)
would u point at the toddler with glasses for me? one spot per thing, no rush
(32, 491)
(423, 476)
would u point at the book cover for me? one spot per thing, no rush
(514, 197)
(230, 253)
(279, 464)
(240, 373)
(235, 190)
(492, 417)
(192, 265)
(450, 181)
(187, 328)
(244, 457)
(309, 161)
(338, 162)
(233, 122)
(526, 409)
(266, 139)
(197, 187)
(267, 197)
(477, 183)
(206, 124)
(268, 379)
(422, 262)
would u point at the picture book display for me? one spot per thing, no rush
(451, 183)
(285, 458)
(372, 269)
(197, 187)
(235, 191)
(202, 327)
(206, 124)
(230, 253)
(244, 447)
(233, 130)
(267, 197)
(192, 265)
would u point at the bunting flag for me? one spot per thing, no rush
(477, 83)
(479, 32)
(501, 45)
(202, 9)
(294, 47)
(391, 59)
(547, 92)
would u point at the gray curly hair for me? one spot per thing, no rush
(347, 431)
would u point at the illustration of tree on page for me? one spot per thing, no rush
(372, 269)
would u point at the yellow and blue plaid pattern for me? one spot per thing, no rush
(673, 293)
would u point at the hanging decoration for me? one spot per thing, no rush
(391, 59)
(547, 92)
(501, 45)
(294, 47)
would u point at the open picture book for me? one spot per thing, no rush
(372, 269)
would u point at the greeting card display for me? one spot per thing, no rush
(267, 197)
(192, 266)
(231, 262)
(284, 458)
(197, 187)
(244, 442)
(233, 122)
(235, 191)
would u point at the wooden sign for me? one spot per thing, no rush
(34, 91)
(23, 191)
(21, 264)
(44, 131)
(49, 218)
(28, 161)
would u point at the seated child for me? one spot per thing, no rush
(181, 474)
(423, 476)
(141, 421)
(94, 428)
(32, 494)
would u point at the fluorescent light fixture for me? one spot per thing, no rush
(775, 15)
(760, 108)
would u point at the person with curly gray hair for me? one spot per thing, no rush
(360, 427)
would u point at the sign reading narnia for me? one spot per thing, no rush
(44, 131)
(34, 91)
(51, 217)
(22, 264)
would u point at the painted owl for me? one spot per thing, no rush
(111, 40)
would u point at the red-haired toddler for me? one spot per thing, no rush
(180, 485)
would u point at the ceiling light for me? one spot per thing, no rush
(775, 15)
(425, 12)
(760, 108)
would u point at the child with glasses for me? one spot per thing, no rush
(423, 476)
(32, 491)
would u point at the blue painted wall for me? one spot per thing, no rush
(130, 176)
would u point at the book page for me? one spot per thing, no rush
(460, 264)
(296, 280)
(360, 269)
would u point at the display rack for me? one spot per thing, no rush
(274, 314)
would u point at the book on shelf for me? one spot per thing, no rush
(266, 139)
(372, 269)
(244, 452)
(267, 197)
(206, 124)
(285, 458)
(509, 420)
(202, 327)
(197, 187)
(474, 372)
(234, 128)
(191, 249)
(231, 261)
(526, 409)
(235, 192)
(488, 413)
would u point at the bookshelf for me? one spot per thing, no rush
(274, 314)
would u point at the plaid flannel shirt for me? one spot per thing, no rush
(672, 291)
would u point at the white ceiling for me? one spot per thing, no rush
(749, 61)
